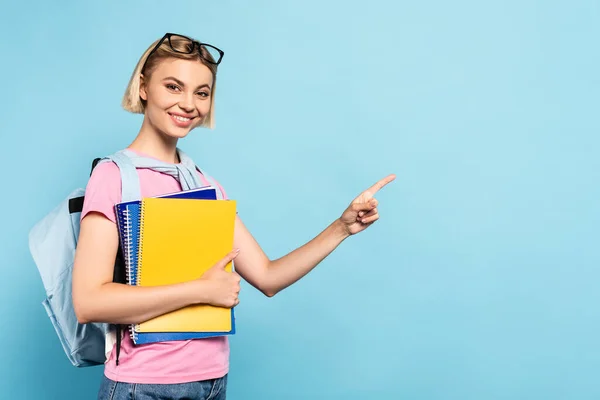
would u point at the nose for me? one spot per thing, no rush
(186, 102)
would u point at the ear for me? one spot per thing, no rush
(143, 93)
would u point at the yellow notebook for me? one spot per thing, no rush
(179, 240)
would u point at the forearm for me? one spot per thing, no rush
(288, 269)
(123, 304)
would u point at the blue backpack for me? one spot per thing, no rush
(52, 243)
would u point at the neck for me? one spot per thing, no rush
(155, 144)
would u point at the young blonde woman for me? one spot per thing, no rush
(173, 85)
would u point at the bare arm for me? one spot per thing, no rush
(97, 299)
(272, 276)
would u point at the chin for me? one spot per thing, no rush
(175, 134)
(178, 132)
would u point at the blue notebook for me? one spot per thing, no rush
(128, 222)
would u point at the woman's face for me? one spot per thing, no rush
(177, 96)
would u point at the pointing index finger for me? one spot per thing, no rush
(379, 185)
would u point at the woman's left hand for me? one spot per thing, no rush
(362, 212)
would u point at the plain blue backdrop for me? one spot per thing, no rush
(480, 281)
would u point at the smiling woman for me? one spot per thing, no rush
(173, 85)
(173, 47)
(174, 106)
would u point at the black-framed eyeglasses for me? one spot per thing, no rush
(187, 45)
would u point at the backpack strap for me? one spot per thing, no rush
(130, 182)
(130, 190)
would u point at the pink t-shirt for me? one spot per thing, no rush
(158, 363)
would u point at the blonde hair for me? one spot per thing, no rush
(132, 101)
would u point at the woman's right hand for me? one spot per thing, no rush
(222, 288)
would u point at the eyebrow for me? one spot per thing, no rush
(182, 84)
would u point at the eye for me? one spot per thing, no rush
(203, 94)
(172, 87)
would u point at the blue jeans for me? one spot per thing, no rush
(212, 389)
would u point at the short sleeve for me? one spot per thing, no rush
(103, 191)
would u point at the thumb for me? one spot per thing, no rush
(222, 263)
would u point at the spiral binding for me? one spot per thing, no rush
(127, 245)
(140, 241)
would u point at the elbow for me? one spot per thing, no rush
(266, 285)
(83, 320)
(82, 311)
(269, 292)
(82, 316)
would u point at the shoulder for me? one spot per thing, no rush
(105, 176)
(106, 170)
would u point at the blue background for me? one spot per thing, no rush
(480, 281)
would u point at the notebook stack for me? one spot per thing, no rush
(173, 239)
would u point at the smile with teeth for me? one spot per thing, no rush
(179, 118)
